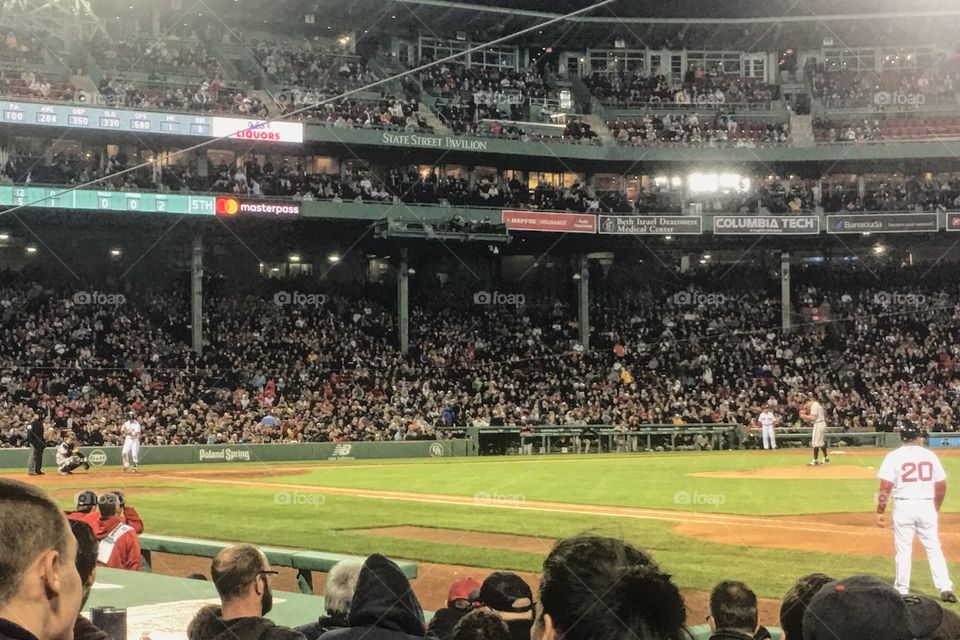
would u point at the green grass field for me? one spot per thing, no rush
(211, 509)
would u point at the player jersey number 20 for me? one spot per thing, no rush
(914, 472)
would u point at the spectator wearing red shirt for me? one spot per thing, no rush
(119, 546)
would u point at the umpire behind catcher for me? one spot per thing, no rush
(37, 444)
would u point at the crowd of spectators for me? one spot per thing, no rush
(35, 86)
(485, 84)
(390, 112)
(464, 115)
(22, 48)
(697, 89)
(889, 89)
(160, 58)
(690, 129)
(207, 97)
(312, 64)
(290, 178)
(331, 372)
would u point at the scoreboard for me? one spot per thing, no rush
(95, 118)
(122, 201)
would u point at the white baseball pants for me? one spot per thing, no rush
(769, 437)
(918, 517)
(130, 452)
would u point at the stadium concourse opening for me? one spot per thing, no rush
(422, 291)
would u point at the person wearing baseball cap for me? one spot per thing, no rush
(867, 607)
(511, 597)
(464, 596)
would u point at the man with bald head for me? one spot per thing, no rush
(242, 577)
(40, 588)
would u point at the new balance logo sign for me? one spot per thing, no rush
(341, 451)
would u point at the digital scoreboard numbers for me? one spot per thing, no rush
(184, 124)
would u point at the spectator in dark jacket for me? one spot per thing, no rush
(384, 606)
(464, 596)
(40, 589)
(511, 597)
(867, 607)
(795, 604)
(733, 613)
(481, 624)
(597, 587)
(241, 574)
(338, 590)
(83, 629)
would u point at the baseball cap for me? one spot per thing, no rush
(506, 591)
(86, 499)
(867, 607)
(110, 498)
(463, 589)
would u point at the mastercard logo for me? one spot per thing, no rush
(228, 206)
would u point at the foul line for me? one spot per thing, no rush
(664, 515)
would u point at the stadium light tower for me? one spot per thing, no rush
(65, 19)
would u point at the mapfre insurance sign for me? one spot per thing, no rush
(257, 130)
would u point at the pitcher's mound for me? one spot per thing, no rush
(830, 471)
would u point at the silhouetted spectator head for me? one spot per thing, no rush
(597, 587)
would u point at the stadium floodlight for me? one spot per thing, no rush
(31, 250)
(879, 249)
(115, 253)
(703, 182)
(333, 258)
(4, 236)
(294, 258)
(668, 237)
(706, 256)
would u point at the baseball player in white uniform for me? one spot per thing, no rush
(915, 477)
(813, 412)
(131, 443)
(767, 423)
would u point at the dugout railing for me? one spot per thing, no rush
(304, 562)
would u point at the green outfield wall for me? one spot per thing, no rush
(235, 453)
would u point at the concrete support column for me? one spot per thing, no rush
(785, 307)
(584, 303)
(403, 302)
(196, 294)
